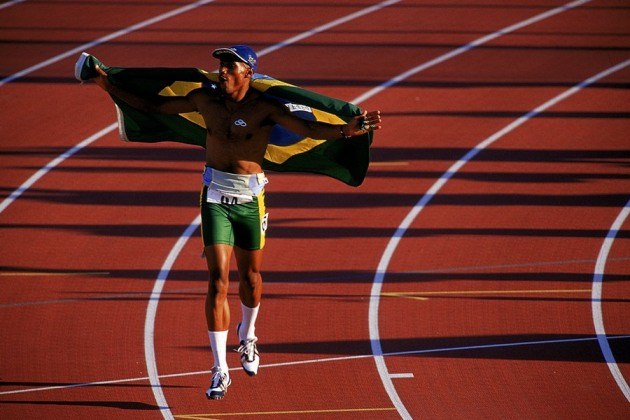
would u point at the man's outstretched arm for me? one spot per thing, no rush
(162, 105)
(357, 126)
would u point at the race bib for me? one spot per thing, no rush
(216, 197)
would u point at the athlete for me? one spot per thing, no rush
(239, 121)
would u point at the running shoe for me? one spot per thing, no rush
(219, 385)
(249, 354)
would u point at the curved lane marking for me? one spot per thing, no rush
(151, 310)
(400, 231)
(436, 350)
(465, 48)
(149, 322)
(155, 295)
(159, 284)
(596, 302)
(50, 165)
(27, 184)
(43, 171)
(412, 215)
(10, 3)
(101, 40)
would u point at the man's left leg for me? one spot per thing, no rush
(250, 293)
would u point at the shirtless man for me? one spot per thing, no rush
(239, 121)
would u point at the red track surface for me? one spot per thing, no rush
(505, 253)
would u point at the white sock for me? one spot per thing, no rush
(218, 344)
(248, 324)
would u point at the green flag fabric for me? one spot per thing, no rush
(344, 159)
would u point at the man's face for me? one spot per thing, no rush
(232, 75)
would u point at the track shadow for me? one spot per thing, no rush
(123, 405)
(347, 200)
(278, 229)
(546, 276)
(336, 276)
(503, 177)
(548, 347)
(504, 155)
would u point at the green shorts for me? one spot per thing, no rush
(242, 224)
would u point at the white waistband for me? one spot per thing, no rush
(234, 184)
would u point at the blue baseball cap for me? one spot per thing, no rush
(241, 52)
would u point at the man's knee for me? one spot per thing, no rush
(251, 279)
(218, 269)
(218, 282)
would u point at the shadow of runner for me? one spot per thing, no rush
(123, 405)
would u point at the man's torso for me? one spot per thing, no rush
(237, 133)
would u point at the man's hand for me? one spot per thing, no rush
(361, 124)
(101, 79)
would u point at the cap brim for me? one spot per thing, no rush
(226, 51)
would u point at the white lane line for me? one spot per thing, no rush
(26, 185)
(104, 39)
(153, 302)
(401, 375)
(149, 323)
(152, 307)
(322, 360)
(596, 304)
(327, 26)
(414, 71)
(10, 3)
(400, 231)
(15, 194)
(377, 285)
(470, 46)
(50, 165)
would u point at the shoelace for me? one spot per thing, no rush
(248, 349)
(218, 379)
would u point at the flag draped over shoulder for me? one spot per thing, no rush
(344, 159)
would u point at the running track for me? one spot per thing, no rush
(481, 271)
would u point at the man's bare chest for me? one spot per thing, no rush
(233, 123)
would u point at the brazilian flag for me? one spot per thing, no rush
(344, 159)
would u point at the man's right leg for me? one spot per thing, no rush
(217, 309)
(218, 315)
